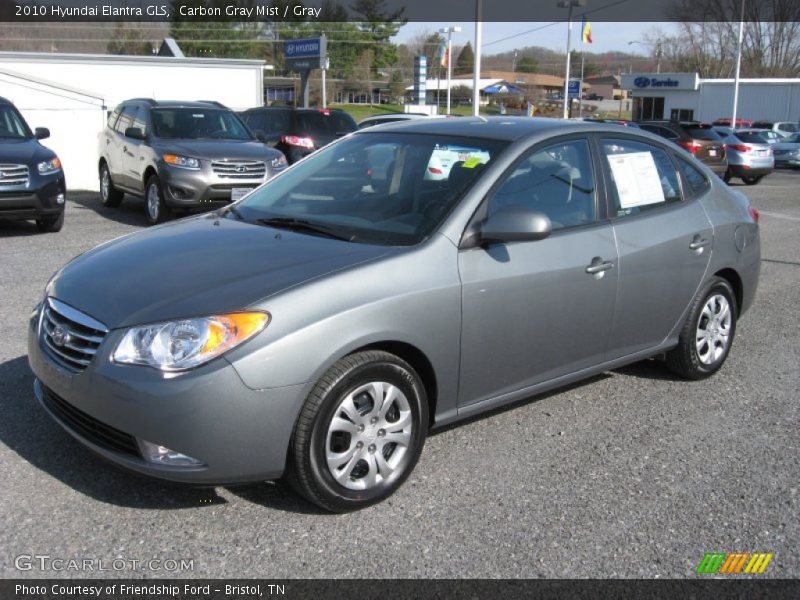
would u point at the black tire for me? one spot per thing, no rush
(307, 468)
(726, 177)
(51, 224)
(752, 180)
(685, 359)
(158, 212)
(109, 195)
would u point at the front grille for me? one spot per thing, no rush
(70, 337)
(239, 169)
(14, 175)
(88, 427)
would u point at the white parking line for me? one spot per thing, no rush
(778, 215)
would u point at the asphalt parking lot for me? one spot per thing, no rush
(630, 474)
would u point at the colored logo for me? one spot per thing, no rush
(642, 82)
(60, 337)
(735, 563)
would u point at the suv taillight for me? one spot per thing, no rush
(301, 142)
(754, 214)
(691, 146)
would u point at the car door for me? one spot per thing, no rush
(535, 310)
(119, 164)
(133, 155)
(664, 240)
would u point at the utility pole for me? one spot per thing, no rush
(476, 76)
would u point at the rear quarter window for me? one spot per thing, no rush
(695, 180)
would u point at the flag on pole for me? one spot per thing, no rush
(530, 110)
(586, 32)
(444, 55)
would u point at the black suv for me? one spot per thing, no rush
(697, 138)
(297, 132)
(31, 179)
(180, 155)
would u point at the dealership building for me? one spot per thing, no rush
(685, 96)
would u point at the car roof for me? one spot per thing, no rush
(295, 109)
(184, 104)
(497, 128)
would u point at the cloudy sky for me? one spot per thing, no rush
(500, 37)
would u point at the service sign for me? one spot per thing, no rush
(309, 53)
(658, 82)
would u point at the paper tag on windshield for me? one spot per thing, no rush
(636, 176)
(471, 163)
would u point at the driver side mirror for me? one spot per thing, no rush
(41, 133)
(515, 224)
(135, 133)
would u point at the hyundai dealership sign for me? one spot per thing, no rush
(302, 55)
(660, 81)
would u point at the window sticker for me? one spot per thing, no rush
(636, 176)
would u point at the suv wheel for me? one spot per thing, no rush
(707, 335)
(155, 208)
(109, 195)
(360, 432)
(752, 180)
(51, 224)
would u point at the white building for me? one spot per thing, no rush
(685, 96)
(70, 94)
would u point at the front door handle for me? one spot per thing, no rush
(598, 266)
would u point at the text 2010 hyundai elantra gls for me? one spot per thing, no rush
(319, 327)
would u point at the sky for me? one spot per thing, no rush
(497, 37)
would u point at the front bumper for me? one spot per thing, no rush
(37, 199)
(787, 160)
(186, 188)
(208, 413)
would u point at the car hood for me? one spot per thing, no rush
(199, 266)
(786, 146)
(22, 151)
(218, 149)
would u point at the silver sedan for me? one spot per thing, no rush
(320, 327)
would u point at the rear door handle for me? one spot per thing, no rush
(698, 243)
(598, 266)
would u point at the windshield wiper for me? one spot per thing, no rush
(304, 226)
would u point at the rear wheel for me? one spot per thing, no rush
(726, 177)
(51, 224)
(109, 195)
(360, 432)
(155, 208)
(752, 180)
(707, 335)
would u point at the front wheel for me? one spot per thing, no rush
(155, 208)
(51, 224)
(707, 335)
(360, 432)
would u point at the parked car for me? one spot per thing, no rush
(31, 178)
(623, 122)
(787, 152)
(180, 155)
(318, 328)
(782, 128)
(699, 139)
(390, 118)
(297, 132)
(726, 122)
(749, 156)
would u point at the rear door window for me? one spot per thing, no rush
(642, 177)
(125, 119)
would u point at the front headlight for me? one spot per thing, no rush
(49, 166)
(185, 162)
(279, 162)
(188, 343)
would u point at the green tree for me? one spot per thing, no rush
(128, 39)
(198, 37)
(377, 27)
(527, 64)
(465, 61)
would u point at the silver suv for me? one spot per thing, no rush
(180, 155)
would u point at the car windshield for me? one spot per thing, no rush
(792, 139)
(11, 124)
(198, 123)
(389, 189)
(751, 137)
(702, 132)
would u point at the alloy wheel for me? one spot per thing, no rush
(714, 329)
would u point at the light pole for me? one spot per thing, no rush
(568, 4)
(738, 70)
(449, 31)
(658, 52)
(476, 75)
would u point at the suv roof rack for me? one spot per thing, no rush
(150, 101)
(215, 103)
